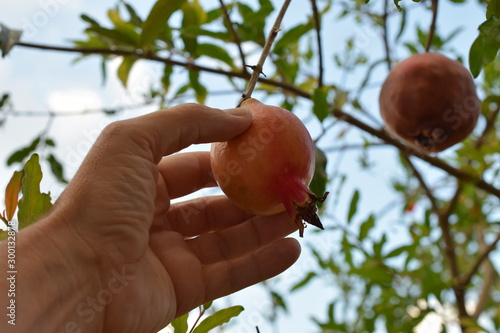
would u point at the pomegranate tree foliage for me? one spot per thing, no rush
(454, 227)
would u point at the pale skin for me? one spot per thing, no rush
(114, 255)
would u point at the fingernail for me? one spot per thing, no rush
(241, 111)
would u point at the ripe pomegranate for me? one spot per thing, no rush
(268, 168)
(430, 102)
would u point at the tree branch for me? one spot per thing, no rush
(434, 161)
(236, 38)
(30, 113)
(421, 180)
(489, 276)
(317, 23)
(449, 251)
(149, 56)
(490, 124)
(479, 260)
(353, 147)
(257, 69)
(432, 28)
(453, 202)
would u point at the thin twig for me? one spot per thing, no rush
(386, 35)
(454, 201)
(432, 28)
(467, 277)
(353, 146)
(449, 251)
(489, 276)
(423, 184)
(33, 113)
(200, 314)
(490, 124)
(317, 23)
(236, 38)
(257, 70)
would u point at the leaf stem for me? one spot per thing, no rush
(432, 28)
(236, 38)
(257, 69)
(385, 35)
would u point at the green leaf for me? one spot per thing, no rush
(180, 324)
(493, 9)
(399, 250)
(200, 90)
(125, 68)
(157, 19)
(8, 39)
(320, 100)
(90, 20)
(4, 100)
(292, 36)
(366, 226)
(218, 318)
(402, 25)
(485, 48)
(207, 305)
(221, 35)
(22, 153)
(193, 16)
(165, 79)
(125, 28)
(320, 177)
(304, 281)
(340, 98)
(12, 194)
(114, 37)
(216, 52)
(471, 325)
(378, 246)
(346, 249)
(353, 207)
(278, 301)
(50, 142)
(3, 235)
(104, 71)
(34, 204)
(396, 2)
(56, 168)
(134, 18)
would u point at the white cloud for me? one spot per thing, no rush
(74, 99)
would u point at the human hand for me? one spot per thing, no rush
(137, 261)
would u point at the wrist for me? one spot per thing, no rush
(53, 274)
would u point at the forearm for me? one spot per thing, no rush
(45, 281)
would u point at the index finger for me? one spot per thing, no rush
(169, 131)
